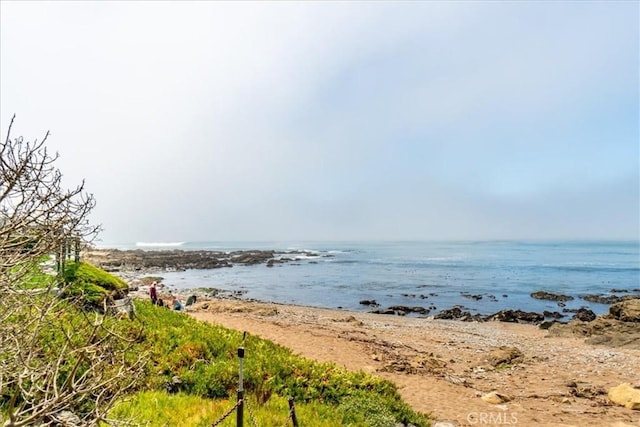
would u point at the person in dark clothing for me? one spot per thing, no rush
(153, 293)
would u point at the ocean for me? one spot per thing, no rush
(435, 275)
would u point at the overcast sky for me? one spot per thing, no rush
(335, 120)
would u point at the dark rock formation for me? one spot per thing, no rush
(553, 314)
(518, 316)
(383, 311)
(405, 309)
(551, 297)
(585, 315)
(137, 260)
(372, 302)
(469, 296)
(400, 310)
(456, 313)
(547, 324)
(601, 299)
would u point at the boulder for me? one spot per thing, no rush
(504, 355)
(547, 324)
(626, 311)
(585, 315)
(496, 398)
(625, 395)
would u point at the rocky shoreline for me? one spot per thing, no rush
(456, 370)
(116, 260)
(511, 363)
(621, 326)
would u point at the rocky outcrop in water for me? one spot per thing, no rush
(370, 302)
(115, 260)
(608, 299)
(551, 297)
(601, 299)
(456, 313)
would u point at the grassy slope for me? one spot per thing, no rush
(204, 357)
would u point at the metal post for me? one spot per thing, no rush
(240, 411)
(292, 411)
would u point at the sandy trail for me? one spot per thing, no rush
(442, 367)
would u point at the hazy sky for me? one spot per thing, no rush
(335, 120)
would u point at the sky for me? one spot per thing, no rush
(281, 121)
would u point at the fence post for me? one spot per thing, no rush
(77, 249)
(240, 411)
(292, 411)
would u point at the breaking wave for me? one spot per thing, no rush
(158, 244)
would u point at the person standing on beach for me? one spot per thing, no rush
(153, 293)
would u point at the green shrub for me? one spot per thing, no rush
(204, 357)
(91, 284)
(159, 409)
(61, 340)
(87, 273)
(366, 409)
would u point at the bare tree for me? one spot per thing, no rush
(59, 365)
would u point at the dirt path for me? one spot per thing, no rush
(444, 367)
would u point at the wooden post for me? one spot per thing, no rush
(76, 242)
(240, 411)
(292, 411)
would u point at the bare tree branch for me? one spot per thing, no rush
(55, 358)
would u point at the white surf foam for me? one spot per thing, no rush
(158, 244)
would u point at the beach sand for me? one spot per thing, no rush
(445, 367)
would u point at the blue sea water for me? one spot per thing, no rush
(425, 274)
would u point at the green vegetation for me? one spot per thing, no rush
(76, 355)
(204, 358)
(62, 362)
(91, 283)
(190, 372)
(157, 408)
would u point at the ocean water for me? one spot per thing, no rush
(425, 274)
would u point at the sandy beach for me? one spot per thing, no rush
(449, 368)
